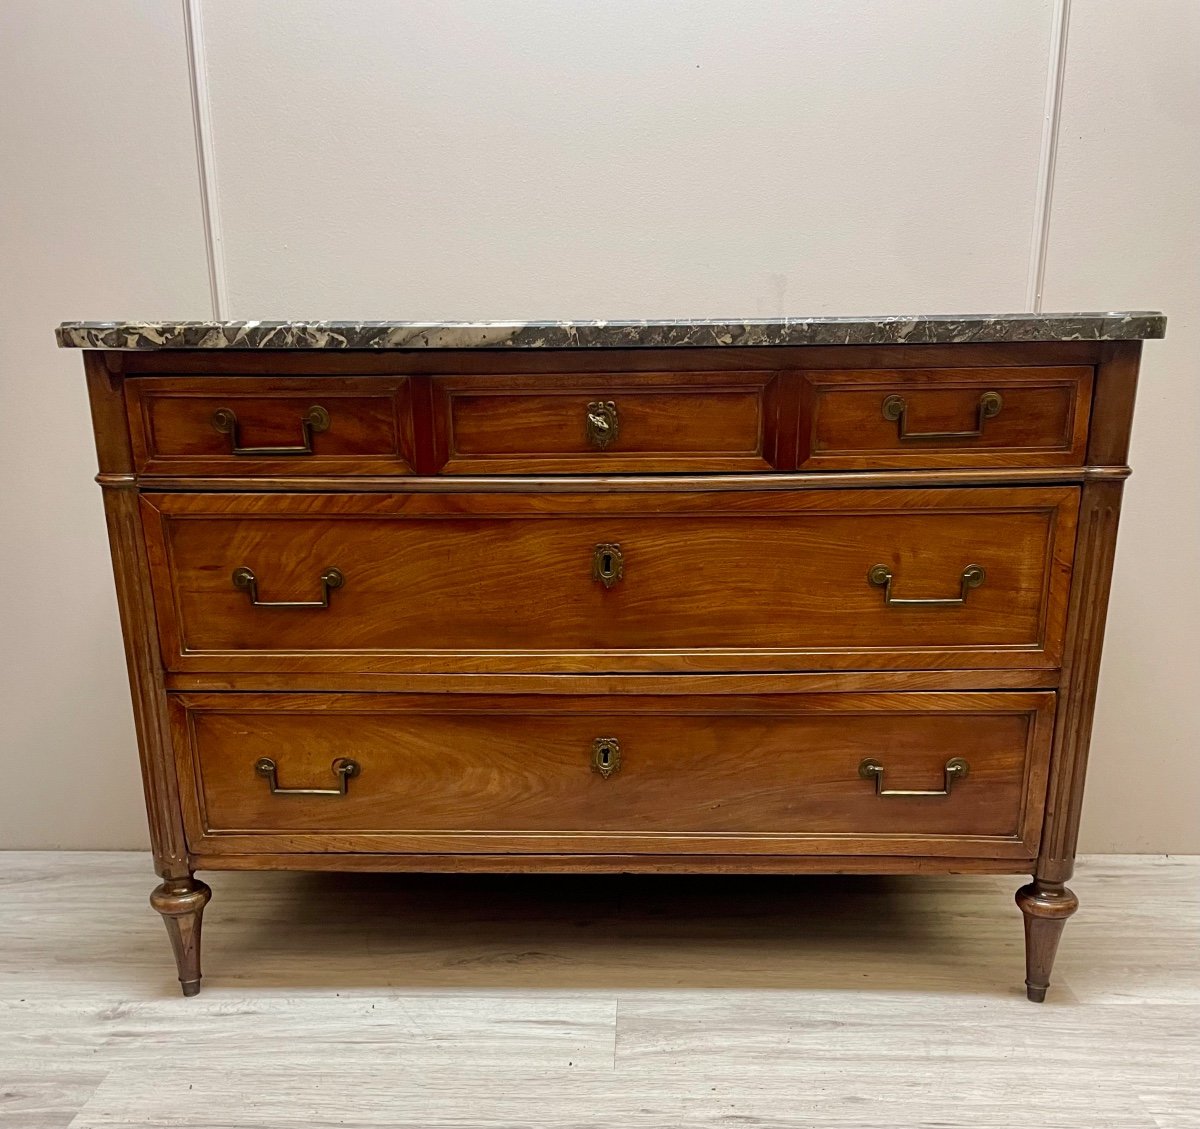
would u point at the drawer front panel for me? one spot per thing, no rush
(1010, 417)
(606, 423)
(896, 579)
(764, 774)
(271, 426)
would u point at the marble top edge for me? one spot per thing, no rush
(917, 329)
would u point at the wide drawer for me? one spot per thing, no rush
(945, 417)
(271, 425)
(607, 423)
(939, 774)
(618, 581)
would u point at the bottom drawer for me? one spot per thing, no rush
(951, 774)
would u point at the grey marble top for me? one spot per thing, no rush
(914, 329)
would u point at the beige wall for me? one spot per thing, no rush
(473, 159)
(100, 211)
(1126, 230)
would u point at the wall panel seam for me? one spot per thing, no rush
(1048, 157)
(193, 25)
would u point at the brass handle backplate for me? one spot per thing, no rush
(956, 769)
(343, 768)
(881, 576)
(602, 423)
(245, 579)
(606, 756)
(315, 419)
(608, 564)
(895, 407)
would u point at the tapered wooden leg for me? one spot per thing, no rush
(1046, 907)
(181, 902)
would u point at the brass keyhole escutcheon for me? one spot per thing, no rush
(608, 564)
(602, 423)
(606, 756)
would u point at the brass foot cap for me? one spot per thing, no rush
(190, 987)
(1037, 995)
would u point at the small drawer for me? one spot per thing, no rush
(958, 774)
(617, 582)
(606, 423)
(271, 426)
(969, 417)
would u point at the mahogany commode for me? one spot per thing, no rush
(780, 596)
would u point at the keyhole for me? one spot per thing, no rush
(606, 756)
(607, 565)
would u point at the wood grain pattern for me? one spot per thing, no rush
(171, 429)
(608, 862)
(1043, 420)
(180, 902)
(644, 484)
(712, 581)
(135, 604)
(489, 362)
(1112, 410)
(1045, 906)
(789, 682)
(1100, 513)
(667, 422)
(743, 660)
(744, 775)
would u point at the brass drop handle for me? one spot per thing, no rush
(602, 423)
(956, 769)
(343, 768)
(608, 564)
(895, 407)
(606, 756)
(245, 579)
(315, 419)
(881, 576)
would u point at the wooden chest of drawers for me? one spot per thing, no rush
(819, 596)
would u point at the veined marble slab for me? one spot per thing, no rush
(916, 329)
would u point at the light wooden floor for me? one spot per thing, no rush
(462, 1001)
